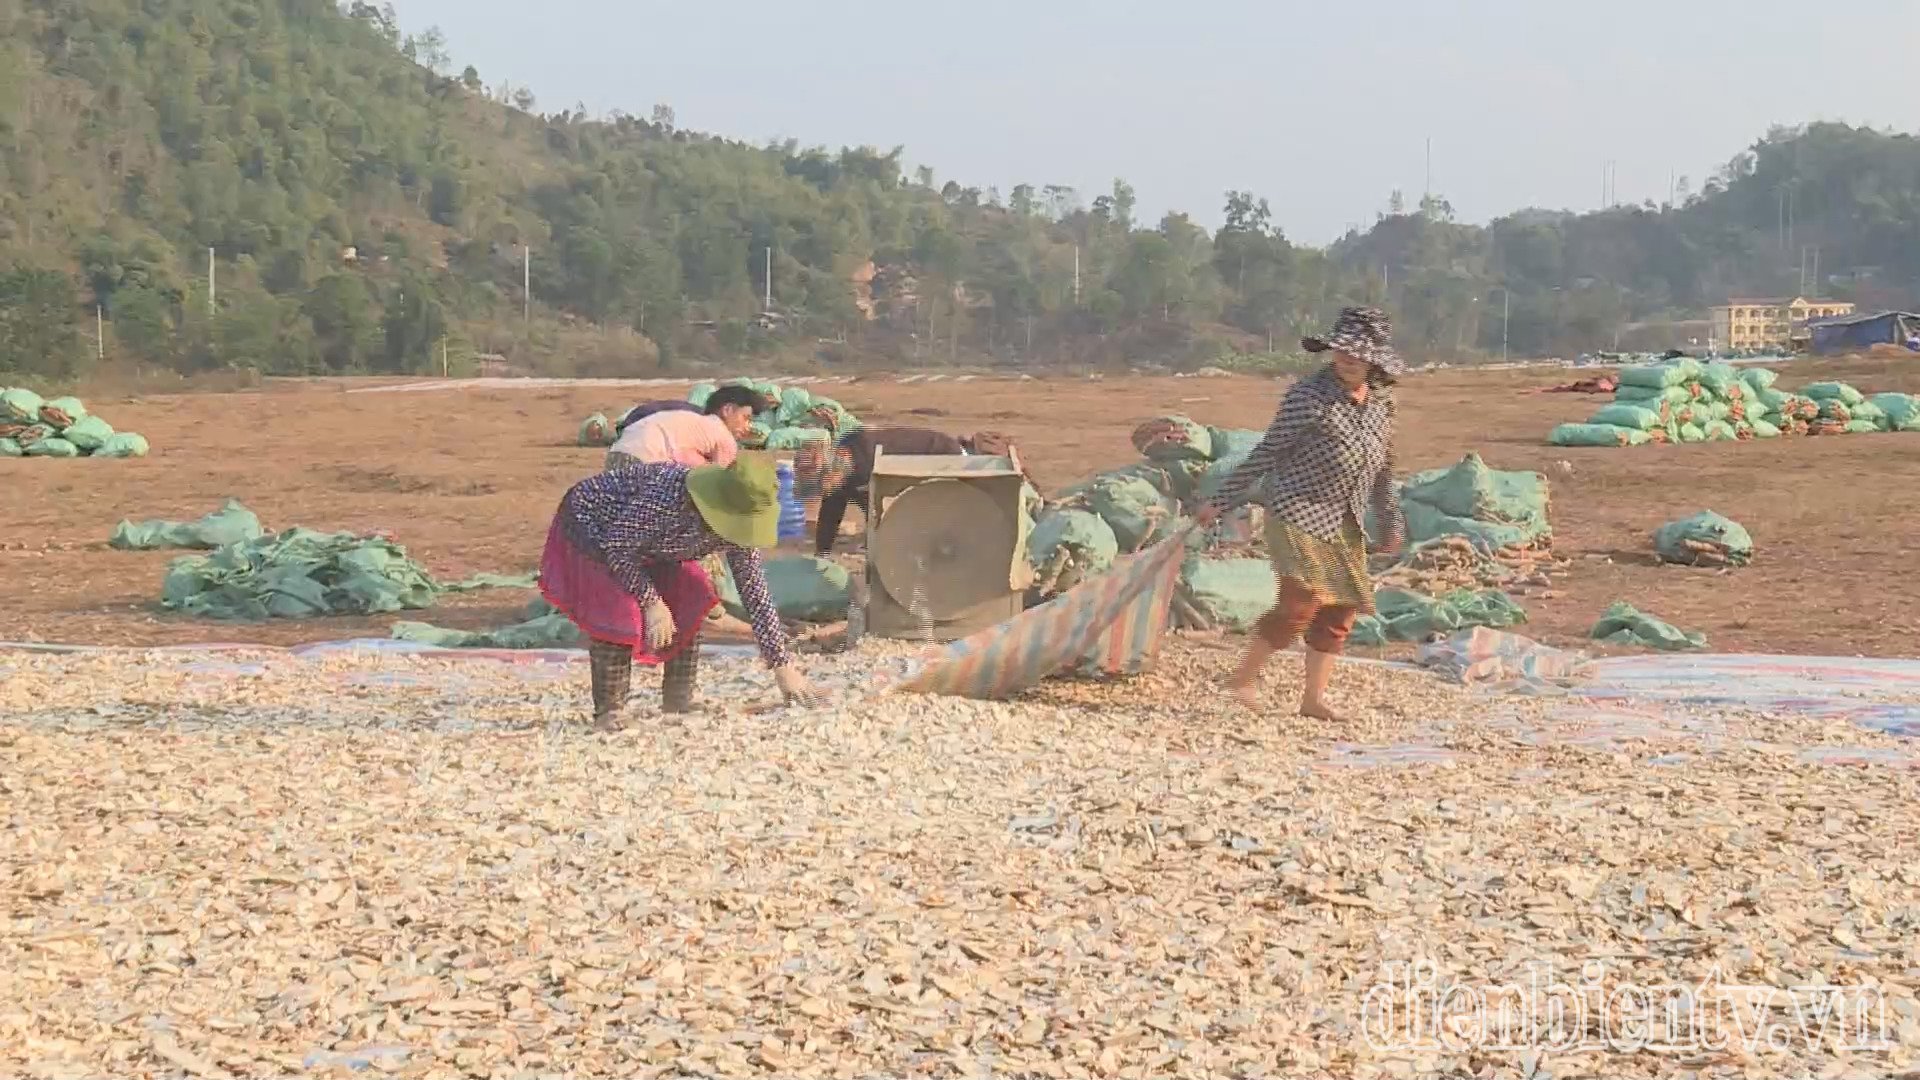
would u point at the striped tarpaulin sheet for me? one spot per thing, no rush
(1113, 624)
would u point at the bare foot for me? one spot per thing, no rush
(1245, 693)
(1319, 710)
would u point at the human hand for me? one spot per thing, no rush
(794, 686)
(660, 629)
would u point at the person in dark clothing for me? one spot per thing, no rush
(856, 451)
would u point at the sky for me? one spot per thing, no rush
(1322, 108)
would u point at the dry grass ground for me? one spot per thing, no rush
(468, 479)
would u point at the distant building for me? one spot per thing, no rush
(1771, 324)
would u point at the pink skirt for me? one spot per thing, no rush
(581, 587)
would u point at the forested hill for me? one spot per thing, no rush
(369, 205)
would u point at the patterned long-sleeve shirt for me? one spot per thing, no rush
(641, 515)
(1323, 458)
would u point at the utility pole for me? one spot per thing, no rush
(1506, 309)
(209, 281)
(1816, 270)
(526, 284)
(769, 304)
(1076, 275)
(99, 333)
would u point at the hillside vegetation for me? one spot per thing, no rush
(370, 209)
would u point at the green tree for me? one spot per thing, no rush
(37, 331)
(346, 322)
(143, 321)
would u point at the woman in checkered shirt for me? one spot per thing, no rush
(622, 562)
(1326, 459)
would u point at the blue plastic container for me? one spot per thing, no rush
(793, 516)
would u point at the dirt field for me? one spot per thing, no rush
(467, 480)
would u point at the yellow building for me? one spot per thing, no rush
(1770, 324)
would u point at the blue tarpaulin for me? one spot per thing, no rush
(1857, 333)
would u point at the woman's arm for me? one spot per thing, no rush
(1296, 412)
(750, 577)
(1386, 496)
(627, 569)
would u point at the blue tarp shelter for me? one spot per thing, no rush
(1858, 333)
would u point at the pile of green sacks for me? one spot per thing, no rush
(795, 417)
(1080, 533)
(1185, 463)
(31, 426)
(805, 589)
(1688, 402)
(250, 574)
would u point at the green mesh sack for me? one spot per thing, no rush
(62, 411)
(89, 433)
(1705, 537)
(1068, 546)
(1138, 513)
(794, 438)
(1174, 438)
(1495, 507)
(1595, 435)
(11, 448)
(795, 403)
(53, 447)
(1622, 414)
(1232, 443)
(1231, 593)
(1722, 381)
(1832, 391)
(1621, 624)
(1651, 396)
(1901, 410)
(124, 444)
(20, 406)
(700, 393)
(596, 430)
(1660, 375)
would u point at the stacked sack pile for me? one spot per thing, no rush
(1491, 524)
(1686, 401)
(795, 417)
(62, 428)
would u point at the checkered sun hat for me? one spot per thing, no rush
(1364, 332)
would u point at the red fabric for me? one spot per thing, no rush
(1297, 611)
(583, 590)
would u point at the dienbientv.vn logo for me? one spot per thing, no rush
(1414, 1008)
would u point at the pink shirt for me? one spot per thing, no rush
(685, 438)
